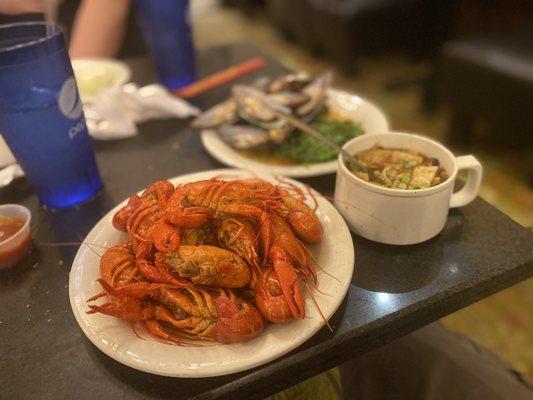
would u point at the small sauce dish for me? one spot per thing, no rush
(15, 240)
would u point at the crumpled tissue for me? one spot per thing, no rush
(10, 170)
(9, 173)
(114, 112)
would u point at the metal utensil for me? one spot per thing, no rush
(351, 160)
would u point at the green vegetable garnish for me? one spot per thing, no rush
(304, 149)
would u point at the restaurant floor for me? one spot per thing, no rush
(502, 322)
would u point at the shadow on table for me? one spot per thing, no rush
(323, 184)
(17, 274)
(402, 269)
(334, 322)
(155, 386)
(149, 385)
(396, 269)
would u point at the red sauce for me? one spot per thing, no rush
(9, 226)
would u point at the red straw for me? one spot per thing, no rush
(220, 78)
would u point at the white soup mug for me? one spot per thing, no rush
(396, 216)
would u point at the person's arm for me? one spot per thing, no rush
(98, 28)
(21, 6)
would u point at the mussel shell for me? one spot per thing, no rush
(244, 137)
(291, 82)
(255, 107)
(289, 99)
(220, 114)
(317, 92)
(278, 135)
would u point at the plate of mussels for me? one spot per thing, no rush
(240, 132)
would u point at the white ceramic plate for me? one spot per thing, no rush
(93, 74)
(371, 118)
(335, 254)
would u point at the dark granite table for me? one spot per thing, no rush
(395, 290)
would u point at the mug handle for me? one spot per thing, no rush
(469, 191)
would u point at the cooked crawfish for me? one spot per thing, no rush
(202, 313)
(139, 215)
(117, 265)
(197, 236)
(277, 288)
(206, 265)
(302, 218)
(288, 258)
(239, 236)
(193, 204)
(142, 219)
(193, 244)
(278, 293)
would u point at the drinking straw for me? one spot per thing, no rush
(50, 16)
(219, 78)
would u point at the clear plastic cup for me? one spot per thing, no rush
(14, 248)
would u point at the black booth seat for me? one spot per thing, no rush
(342, 30)
(490, 78)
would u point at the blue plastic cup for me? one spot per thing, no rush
(41, 117)
(167, 31)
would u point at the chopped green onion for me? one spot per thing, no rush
(302, 148)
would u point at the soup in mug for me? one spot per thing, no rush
(399, 168)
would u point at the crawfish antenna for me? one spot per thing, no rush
(318, 307)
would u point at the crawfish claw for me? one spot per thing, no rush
(165, 236)
(288, 280)
(120, 219)
(234, 324)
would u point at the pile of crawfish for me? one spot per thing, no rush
(210, 259)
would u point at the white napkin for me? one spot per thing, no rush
(9, 173)
(113, 112)
(11, 170)
(6, 157)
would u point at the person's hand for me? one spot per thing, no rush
(22, 6)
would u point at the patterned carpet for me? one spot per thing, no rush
(502, 322)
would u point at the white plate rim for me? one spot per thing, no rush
(348, 259)
(224, 153)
